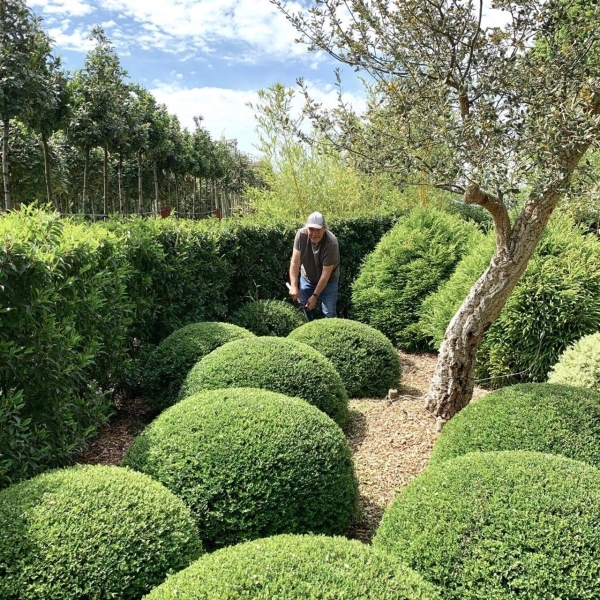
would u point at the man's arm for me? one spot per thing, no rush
(325, 275)
(294, 272)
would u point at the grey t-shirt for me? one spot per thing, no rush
(314, 258)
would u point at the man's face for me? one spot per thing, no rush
(316, 234)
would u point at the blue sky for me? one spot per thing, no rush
(199, 57)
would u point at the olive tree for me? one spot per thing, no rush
(485, 111)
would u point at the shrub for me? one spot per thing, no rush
(500, 525)
(295, 567)
(579, 364)
(91, 532)
(408, 264)
(365, 359)
(557, 419)
(167, 367)
(269, 317)
(276, 364)
(251, 463)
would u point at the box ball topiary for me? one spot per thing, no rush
(500, 525)
(542, 417)
(269, 317)
(91, 532)
(579, 364)
(251, 463)
(277, 364)
(296, 567)
(365, 359)
(170, 362)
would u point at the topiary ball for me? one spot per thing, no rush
(296, 567)
(91, 532)
(170, 362)
(277, 364)
(500, 525)
(269, 317)
(579, 364)
(365, 359)
(557, 419)
(251, 463)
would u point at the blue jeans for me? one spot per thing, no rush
(328, 297)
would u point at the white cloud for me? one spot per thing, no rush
(71, 8)
(78, 40)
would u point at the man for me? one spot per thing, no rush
(316, 256)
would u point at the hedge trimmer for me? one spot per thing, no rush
(300, 308)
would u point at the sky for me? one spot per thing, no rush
(203, 58)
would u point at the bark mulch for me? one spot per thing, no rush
(391, 439)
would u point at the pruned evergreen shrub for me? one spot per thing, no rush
(251, 463)
(296, 567)
(91, 532)
(542, 417)
(409, 263)
(579, 364)
(170, 362)
(365, 359)
(500, 525)
(277, 364)
(269, 317)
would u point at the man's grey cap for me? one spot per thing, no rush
(315, 220)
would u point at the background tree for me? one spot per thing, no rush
(497, 109)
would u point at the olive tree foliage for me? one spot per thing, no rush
(483, 111)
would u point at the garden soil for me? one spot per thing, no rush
(391, 439)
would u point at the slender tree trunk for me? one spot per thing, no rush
(85, 175)
(119, 181)
(5, 180)
(194, 181)
(155, 186)
(48, 173)
(140, 182)
(105, 180)
(176, 194)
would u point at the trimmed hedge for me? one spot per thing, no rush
(168, 365)
(251, 463)
(408, 264)
(294, 567)
(91, 532)
(579, 364)
(365, 359)
(500, 525)
(542, 417)
(269, 317)
(276, 364)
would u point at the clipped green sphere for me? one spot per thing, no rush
(171, 361)
(251, 463)
(277, 364)
(500, 525)
(541, 417)
(365, 359)
(91, 532)
(269, 317)
(579, 364)
(296, 567)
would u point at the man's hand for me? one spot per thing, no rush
(312, 303)
(294, 293)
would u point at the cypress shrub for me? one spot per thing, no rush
(408, 264)
(500, 525)
(251, 463)
(579, 364)
(276, 364)
(296, 567)
(269, 317)
(170, 362)
(365, 359)
(91, 532)
(542, 417)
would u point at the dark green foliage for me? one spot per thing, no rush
(365, 359)
(557, 419)
(408, 264)
(269, 317)
(64, 316)
(579, 364)
(500, 525)
(91, 532)
(251, 463)
(277, 364)
(168, 365)
(295, 567)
